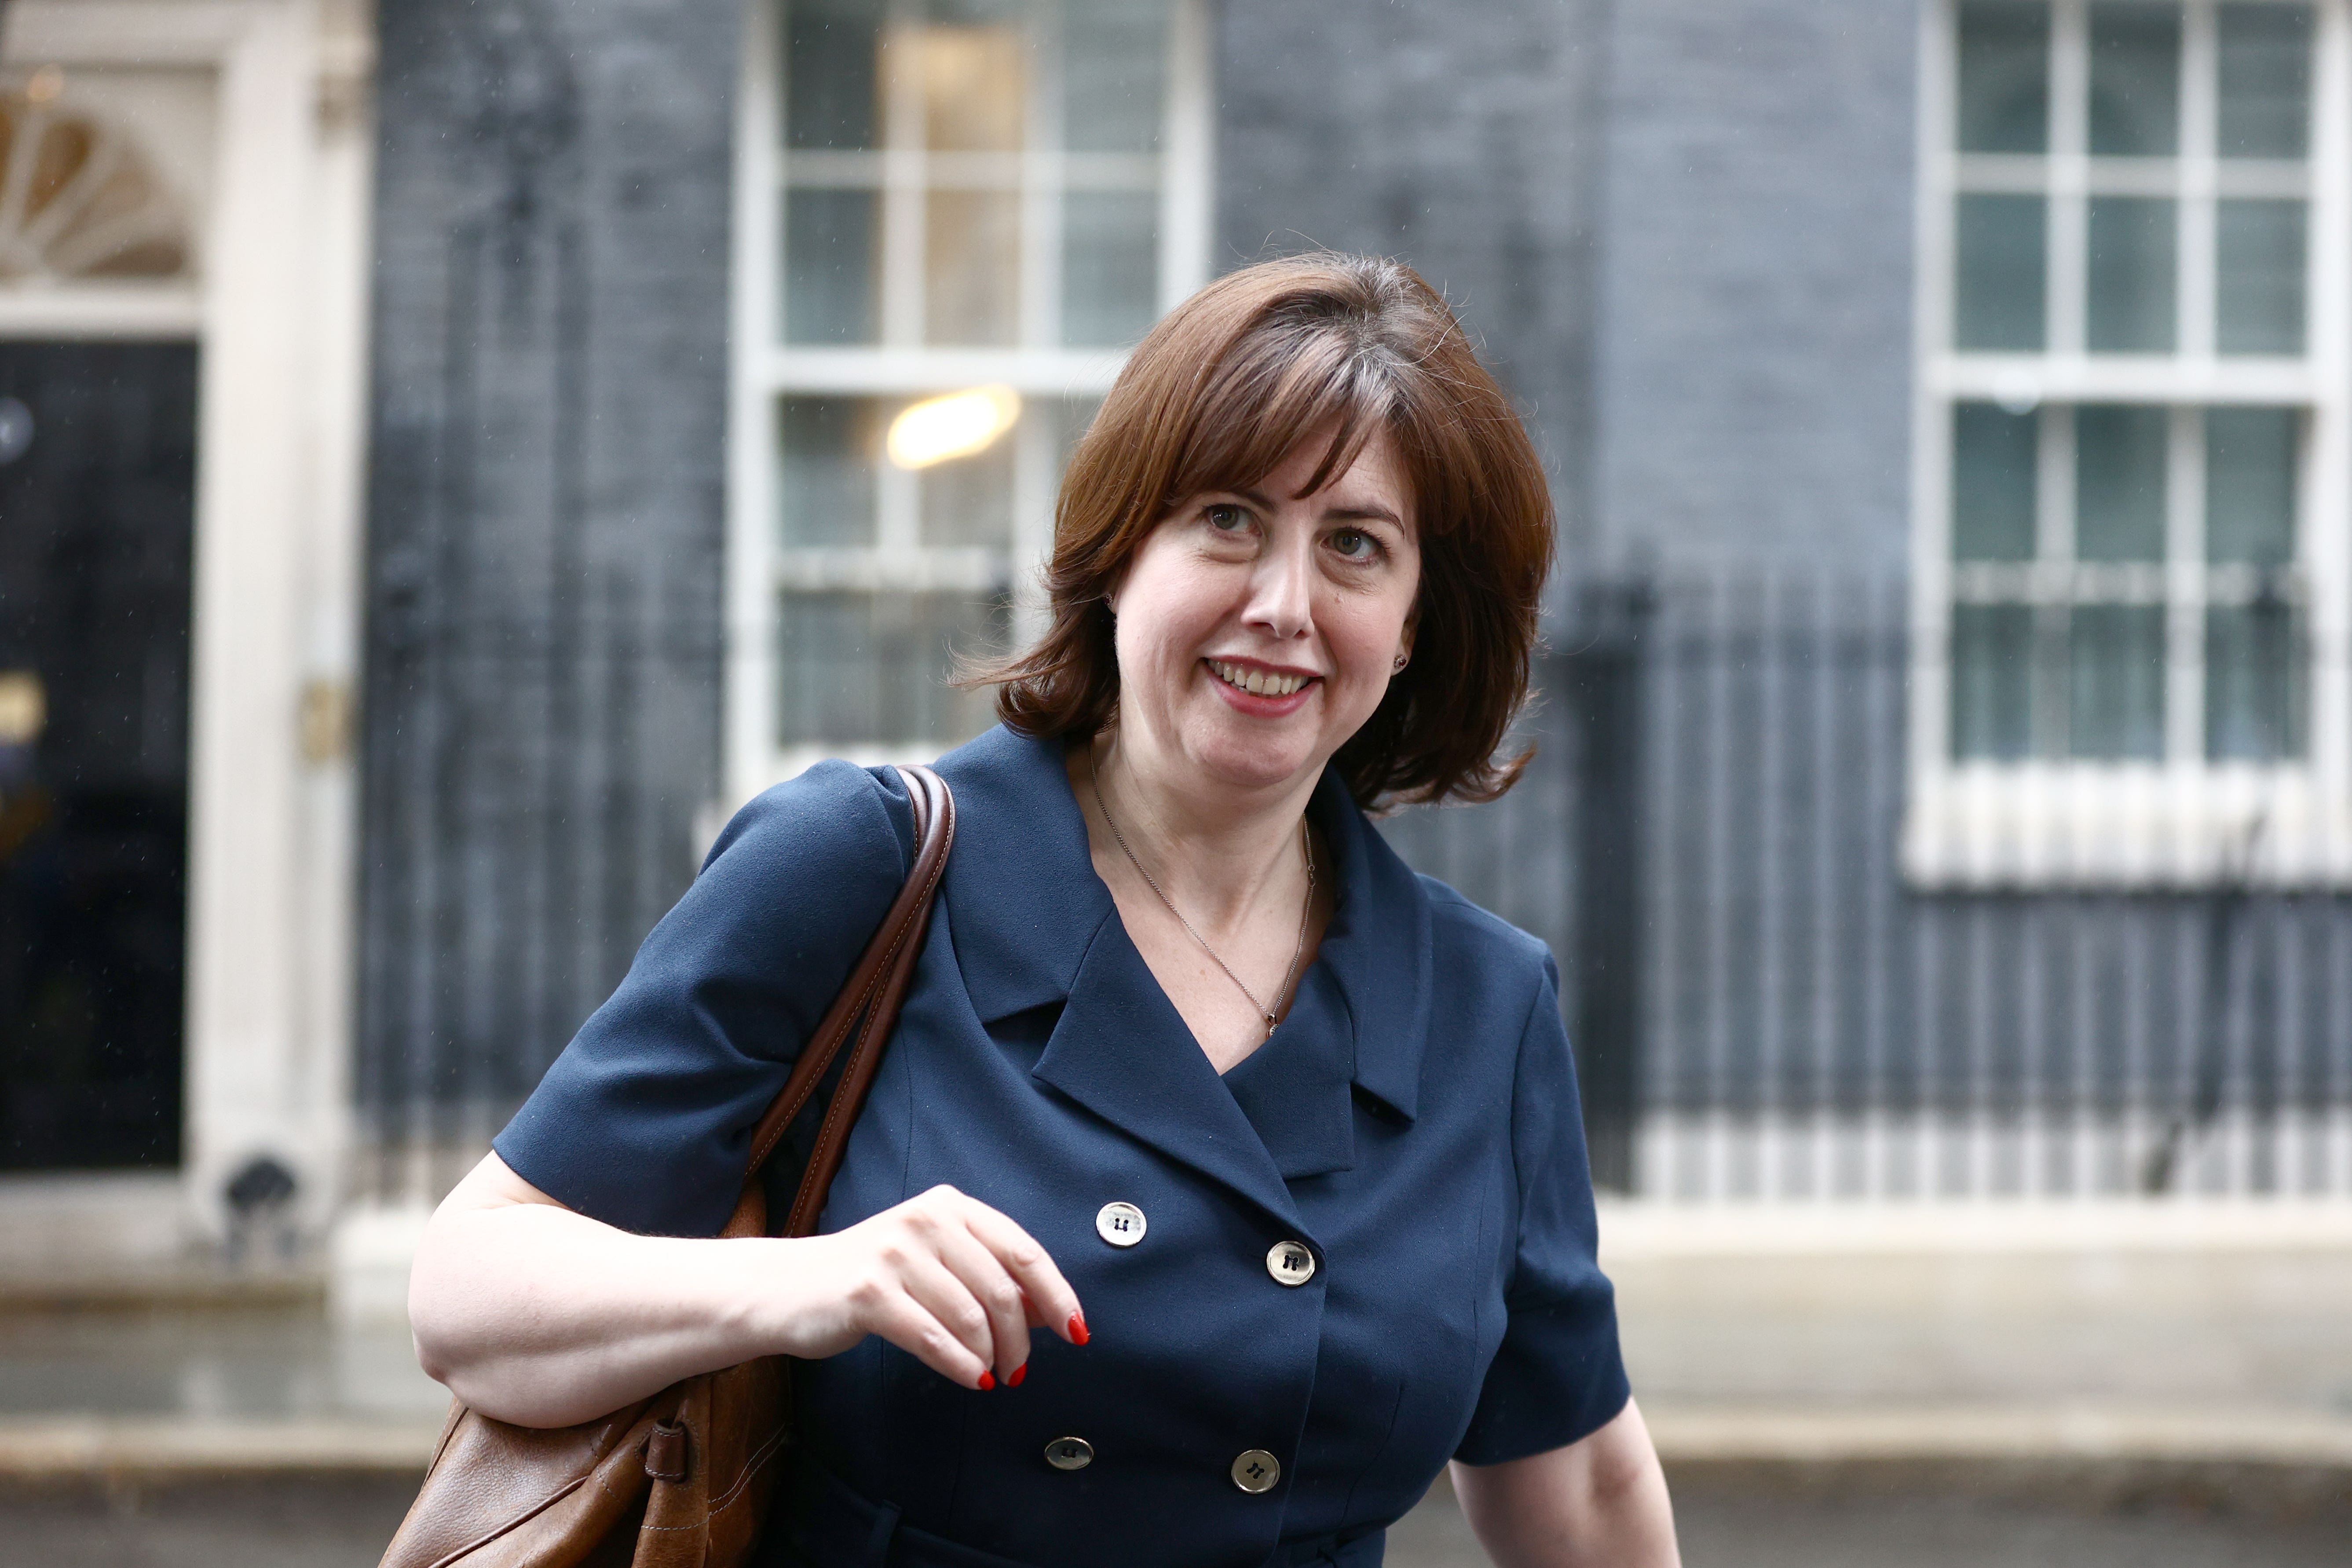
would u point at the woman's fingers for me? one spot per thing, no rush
(908, 1319)
(1051, 1303)
(958, 1317)
(982, 1273)
(959, 1285)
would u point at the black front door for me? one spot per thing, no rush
(97, 501)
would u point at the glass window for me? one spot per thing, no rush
(2254, 690)
(2135, 81)
(1992, 689)
(2119, 473)
(2264, 67)
(971, 201)
(1998, 297)
(2084, 582)
(2129, 298)
(2259, 263)
(2251, 463)
(2114, 707)
(1994, 458)
(2004, 97)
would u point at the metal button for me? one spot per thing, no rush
(1122, 1224)
(1290, 1263)
(1076, 1454)
(1255, 1470)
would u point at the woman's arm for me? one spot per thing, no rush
(534, 1314)
(1601, 1502)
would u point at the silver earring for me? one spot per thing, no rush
(1401, 660)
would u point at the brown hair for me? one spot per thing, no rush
(1215, 398)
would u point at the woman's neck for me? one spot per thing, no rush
(1215, 854)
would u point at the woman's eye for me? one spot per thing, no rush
(1354, 545)
(1224, 517)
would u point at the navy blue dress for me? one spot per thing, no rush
(1365, 1251)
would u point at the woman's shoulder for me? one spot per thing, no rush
(1468, 939)
(834, 818)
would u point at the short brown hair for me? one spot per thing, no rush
(1215, 398)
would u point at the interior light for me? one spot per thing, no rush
(954, 426)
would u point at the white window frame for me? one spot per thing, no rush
(2185, 821)
(766, 369)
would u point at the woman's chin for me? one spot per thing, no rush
(1253, 761)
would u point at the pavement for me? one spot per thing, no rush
(1900, 1388)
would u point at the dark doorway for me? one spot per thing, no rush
(97, 448)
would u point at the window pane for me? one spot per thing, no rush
(969, 501)
(829, 52)
(2250, 483)
(1994, 487)
(2130, 309)
(2265, 69)
(2258, 277)
(971, 254)
(1114, 60)
(1998, 297)
(969, 67)
(830, 266)
(2253, 683)
(2004, 78)
(2115, 695)
(1110, 264)
(1992, 684)
(830, 447)
(2119, 483)
(854, 668)
(2136, 80)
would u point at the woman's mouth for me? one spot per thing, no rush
(1257, 682)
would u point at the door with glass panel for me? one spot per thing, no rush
(979, 206)
(2138, 379)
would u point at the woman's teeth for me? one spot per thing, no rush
(1257, 682)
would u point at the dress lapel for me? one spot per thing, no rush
(1122, 1050)
(1033, 925)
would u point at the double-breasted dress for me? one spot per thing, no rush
(1366, 1249)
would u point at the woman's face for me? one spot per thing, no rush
(1257, 630)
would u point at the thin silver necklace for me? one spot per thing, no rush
(1307, 910)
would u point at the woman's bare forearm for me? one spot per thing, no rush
(537, 1315)
(1600, 1502)
(542, 1316)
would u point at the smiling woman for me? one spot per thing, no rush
(1277, 1141)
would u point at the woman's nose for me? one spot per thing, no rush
(1280, 596)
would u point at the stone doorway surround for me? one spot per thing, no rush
(257, 114)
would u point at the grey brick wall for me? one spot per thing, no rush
(1457, 136)
(1753, 344)
(546, 527)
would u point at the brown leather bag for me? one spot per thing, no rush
(682, 1479)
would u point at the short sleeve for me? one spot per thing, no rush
(1559, 1374)
(645, 1119)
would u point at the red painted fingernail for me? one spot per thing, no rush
(1013, 1380)
(987, 1380)
(1079, 1334)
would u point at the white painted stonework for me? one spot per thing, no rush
(257, 111)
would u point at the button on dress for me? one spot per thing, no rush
(1366, 1249)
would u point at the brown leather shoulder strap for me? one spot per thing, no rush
(868, 1004)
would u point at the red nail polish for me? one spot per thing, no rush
(987, 1380)
(1079, 1334)
(1018, 1372)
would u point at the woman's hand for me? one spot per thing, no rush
(943, 1277)
(537, 1315)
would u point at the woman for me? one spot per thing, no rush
(1276, 1142)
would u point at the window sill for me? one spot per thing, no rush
(2126, 828)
